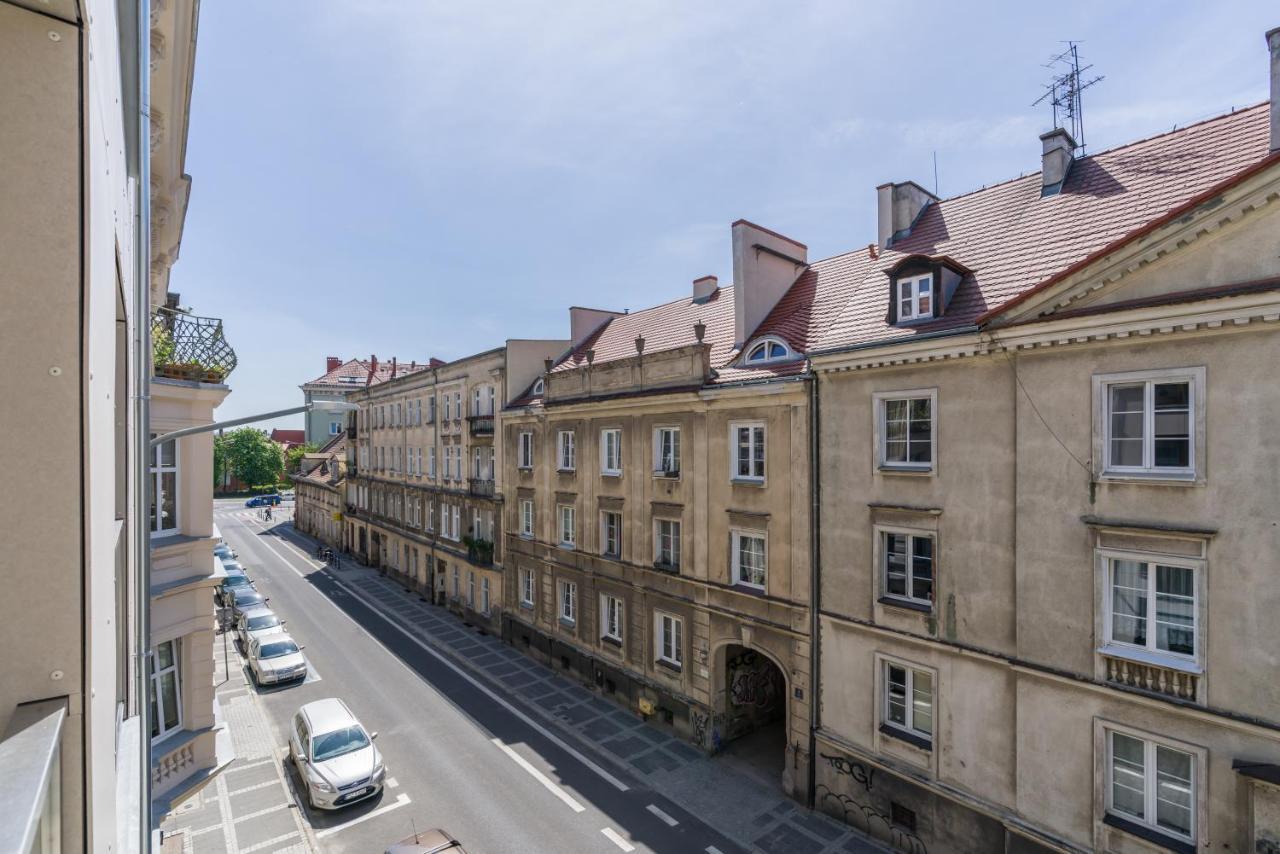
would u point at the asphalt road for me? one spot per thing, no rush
(462, 756)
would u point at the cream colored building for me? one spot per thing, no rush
(1049, 480)
(657, 512)
(319, 490)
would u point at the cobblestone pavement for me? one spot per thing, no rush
(249, 807)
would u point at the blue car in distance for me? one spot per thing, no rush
(263, 501)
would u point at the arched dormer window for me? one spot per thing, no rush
(538, 386)
(768, 350)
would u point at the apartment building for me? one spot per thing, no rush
(337, 383)
(1048, 523)
(657, 512)
(423, 498)
(318, 492)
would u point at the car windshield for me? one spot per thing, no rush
(338, 742)
(275, 649)
(237, 581)
(266, 621)
(248, 596)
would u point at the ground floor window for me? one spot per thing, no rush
(670, 639)
(611, 617)
(166, 689)
(568, 601)
(526, 587)
(1152, 784)
(484, 595)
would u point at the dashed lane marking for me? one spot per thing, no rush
(612, 836)
(539, 776)
(671, 822)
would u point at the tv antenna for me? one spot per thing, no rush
(1064, 90)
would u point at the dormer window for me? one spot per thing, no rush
(915, 297)
(768, 350)
(538, 387)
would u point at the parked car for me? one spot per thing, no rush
(224, 552)
(334, 755)
(427, 842)
(287, 495)
(242, 599)
(263, 500)
(233, 567)
(256, 622)
(275, 658)
(233, 582)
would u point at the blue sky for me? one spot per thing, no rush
(430, 178)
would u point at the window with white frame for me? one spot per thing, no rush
(568, 524)
(335, 427)
(457, 519)
(610, 533)
(1152, 605)
(567, 456)
(164, 488)
(524, 458)
(907, 566)
(568, 602)
(908, 700)
(484, 595)
(769, 350)
(915, 297)
(906, 428)
(431, 463)
(610, 618)
(666, 451)
(611, 452)
(526, 518)
(1152, 784)
(666, 543)
(669, 639)
(1149, 422)
(448, 407)
(166, 689)
(747, 442)
(526, 587)
(750, 559)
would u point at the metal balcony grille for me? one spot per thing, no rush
(187, 347)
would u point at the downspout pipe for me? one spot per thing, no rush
(815, 578)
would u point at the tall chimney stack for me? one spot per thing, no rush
(1056, 157)
(704, 287)
(1273, 47)
(332, 363)
(897, 207)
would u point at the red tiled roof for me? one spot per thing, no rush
(1013, 240)
(289, 437)
(354, 373)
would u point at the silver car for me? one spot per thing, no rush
(276, 658)
(334, 755)
(256, 622)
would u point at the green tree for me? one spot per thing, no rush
(293, 456)
(219, 460)
(251, 456)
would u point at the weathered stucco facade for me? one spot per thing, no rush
(319, 490)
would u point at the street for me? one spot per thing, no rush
(467, 755)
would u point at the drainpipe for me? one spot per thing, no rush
(815, 589)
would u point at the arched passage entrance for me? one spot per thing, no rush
(752, 710)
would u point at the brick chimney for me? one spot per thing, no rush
(1056, 157)
(765, 265)
(393, 367)
(704, 287)
(1273, 46)
(332, 363)
(897, 207)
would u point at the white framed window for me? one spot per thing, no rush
(524, 458)
(1149, 421)
(526, 587)
(457, 582)
(568, 524)
(1152, 605)
(526, 517)
(1151, 783)
(747, 443)
(611, 452)
(669, 639)
(915, 297)
(568, 602)
(431, 409)
(610, 533)
(906, 429)
(907, 566)
(431, 463)
(166, 689)
(448, 407)
(567, 456)
(539, 386)
(666, 451)
(335, 427)
(610, 618)
(484, 595)
(666, 543)
(768, 350)
(750, 559)
(909, 701)
(164, 488)
(457, 519)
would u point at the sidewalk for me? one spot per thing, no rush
(732, 798)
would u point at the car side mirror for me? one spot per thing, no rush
(373, 735)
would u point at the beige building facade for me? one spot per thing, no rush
(319, 490)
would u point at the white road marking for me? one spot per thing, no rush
(268, 843)
(671, 822)
(539, 776)
(392, 783)
(401, 800)
(255, 786)
(376, 609)
(612, 836)
(711, 849)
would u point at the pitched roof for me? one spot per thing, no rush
(355, 373)
(289, 438)
(1013, 240)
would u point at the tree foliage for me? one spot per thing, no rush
(250, 456)
(293, 457)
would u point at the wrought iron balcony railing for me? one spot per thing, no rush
(187, 347)
(481, 488)
(481, 425)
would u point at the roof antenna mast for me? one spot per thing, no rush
(1064, 90)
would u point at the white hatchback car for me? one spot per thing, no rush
(275, 658)
(334, 755)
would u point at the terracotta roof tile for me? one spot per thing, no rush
(355, 372)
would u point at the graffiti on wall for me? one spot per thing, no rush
(754, 682)
(869, 820)
(860, 773)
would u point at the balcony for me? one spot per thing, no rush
(481, 425)
(479, 552)
(186, 347)
(30, 756)
(480, 488)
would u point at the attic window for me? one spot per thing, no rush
(538, 387)
(915, 297)
(768, 350)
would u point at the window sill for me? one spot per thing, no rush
(749, 589)
(905, 603)
(611, 555)
(1150, 834)
(569, 547)
(611, 641)
(528, 606)
(664, 475)
(566, 471)
(909, 737)
(617, 473)
(916, 471)
(524, 468)
(671, 569)
(525, 536)
(670, 665)
(747, 481)
(568, 624)
(1155, 478)
(1154, 659)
